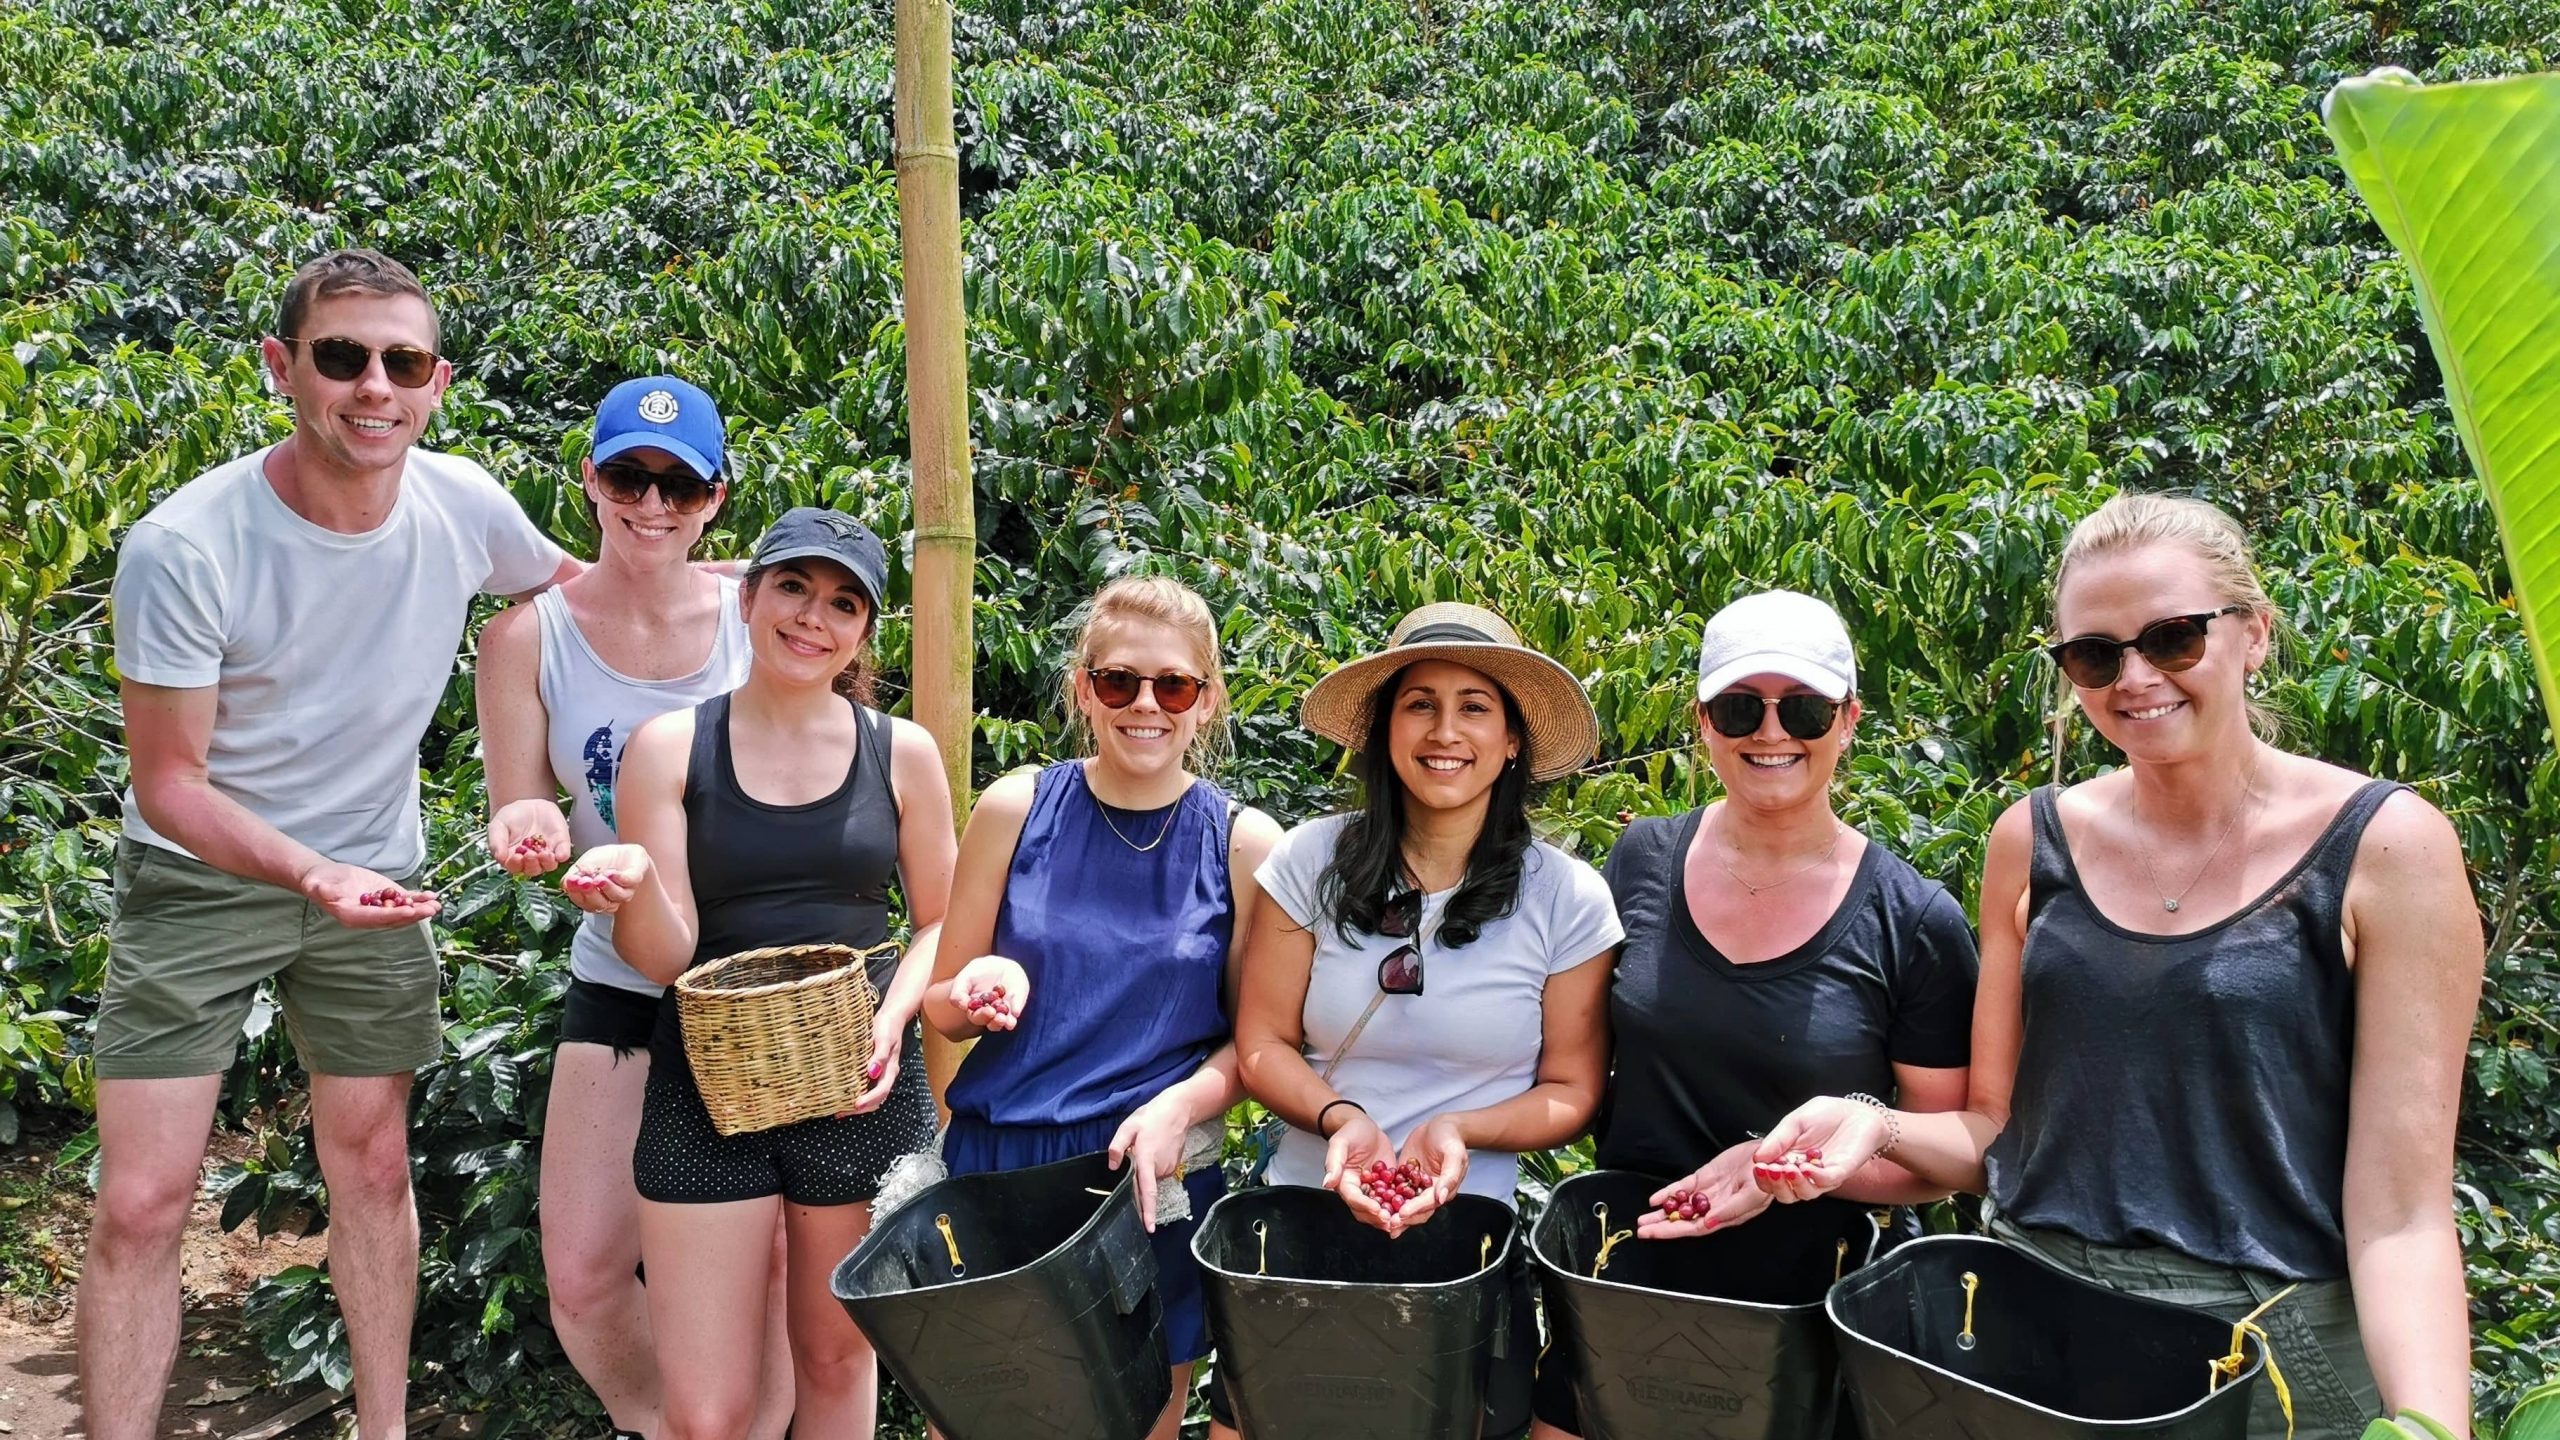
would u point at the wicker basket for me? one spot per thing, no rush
(778, 1035)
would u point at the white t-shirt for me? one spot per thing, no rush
(328, 652)
(1473, 1037)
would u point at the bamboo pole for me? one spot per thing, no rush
(937, 412)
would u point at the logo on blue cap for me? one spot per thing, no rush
(661, 412)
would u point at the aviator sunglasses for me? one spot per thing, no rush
(626, 482)
(1736, 714)
(2169, 645)
(1117, 688)
(406, 366)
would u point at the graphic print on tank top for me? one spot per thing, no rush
(604, 759)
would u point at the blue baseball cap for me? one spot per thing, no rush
(661, 412)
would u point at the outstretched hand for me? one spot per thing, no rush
(1817, 1147)
(1720, 1194)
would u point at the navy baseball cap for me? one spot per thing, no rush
(661, 412)
(811, 533)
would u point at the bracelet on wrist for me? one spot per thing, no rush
(1328, 1109)
(1892, 1121)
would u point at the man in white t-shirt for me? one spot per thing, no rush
(285, 625)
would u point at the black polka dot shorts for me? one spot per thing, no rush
(682, 1160)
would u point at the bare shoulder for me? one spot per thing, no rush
(1250, 839)
(2409, 839)
(911, 743)
(511, 634)
(1007, 800)
(2086, 804)
(662, 742)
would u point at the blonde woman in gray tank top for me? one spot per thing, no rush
(562, 684)
(2226, 995)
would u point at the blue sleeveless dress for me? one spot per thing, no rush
(1126, 949)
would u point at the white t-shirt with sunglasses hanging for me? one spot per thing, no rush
(1473, 1037)
(329, 653)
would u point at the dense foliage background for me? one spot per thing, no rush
(1597, 313)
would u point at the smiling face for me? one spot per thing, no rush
(2150, 714)
(807, 620)
(1141, 738)
(648, 527)
(1448, 733)
(366, 425)
(1769, 769)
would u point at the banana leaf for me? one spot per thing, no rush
(2465, 180)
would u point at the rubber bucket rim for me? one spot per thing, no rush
(1538, 1256)
(1495, 1259)
(1877, 1274)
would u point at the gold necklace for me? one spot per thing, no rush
(2169, 902)
(1837, 830)
(1170, 811)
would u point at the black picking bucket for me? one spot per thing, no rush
(1720, 1336)
(2046, 1355)
(1329, 1330)
(1050, 1329)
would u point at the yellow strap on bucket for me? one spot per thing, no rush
(1484, 1253)
(1840, 1263)
(1964, 1338)
(2230, 1366)
(1262, 1232)
(1608, 1240)
(950, 1242)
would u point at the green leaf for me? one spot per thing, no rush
(2465, 179)
(2537, 1415)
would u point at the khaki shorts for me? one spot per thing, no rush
(190, 945)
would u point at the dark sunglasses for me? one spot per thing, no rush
(1400, 973)
(406, 366)
(625, 482)
(2172, 644)
(1736, 713)
(1118, 688)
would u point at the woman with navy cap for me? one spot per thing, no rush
(562, 683)
(778, 814)
(1773, 954)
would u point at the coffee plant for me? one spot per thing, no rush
(1596, 313)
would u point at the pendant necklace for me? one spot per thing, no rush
(1162, 831)
(1837, 830)
(2169, 902)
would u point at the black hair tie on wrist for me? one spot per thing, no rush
(1328, 1109)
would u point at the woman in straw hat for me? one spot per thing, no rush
(2210, 980)
(1773, 954)
(1088, 949)
(1430, 981)
(778, 814)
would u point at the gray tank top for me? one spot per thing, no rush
(593, 709)
(2188, 1091)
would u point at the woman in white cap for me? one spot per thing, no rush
(2211, 979)
(1773, 954)
(561, 685)
(1429, 981)
(781, 813)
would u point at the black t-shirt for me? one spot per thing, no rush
(1709, 1053)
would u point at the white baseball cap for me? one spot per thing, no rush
(1777, 632)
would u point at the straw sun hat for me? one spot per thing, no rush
(1563, 731)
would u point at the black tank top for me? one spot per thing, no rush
(2188, 1091)
(765, 875)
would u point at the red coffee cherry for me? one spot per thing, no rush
(1393, 1187)
(1686, 1205)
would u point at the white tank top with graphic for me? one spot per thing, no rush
(593, 709)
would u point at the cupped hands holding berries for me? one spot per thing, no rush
(1721, 1194)
(529, 838)
(991, 991)
(604, 879)
(1390, 1190)
(363, 900)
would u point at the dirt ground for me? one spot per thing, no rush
(218, 1386)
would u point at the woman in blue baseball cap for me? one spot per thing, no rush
(562, 684)
(781, 813)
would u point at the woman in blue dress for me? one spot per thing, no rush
(1090, 938)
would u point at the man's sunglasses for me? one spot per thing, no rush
(1736, 714)
(1400, 973)
(2172, 644)
(1118, 688)
(626, 482)
(406, 366)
